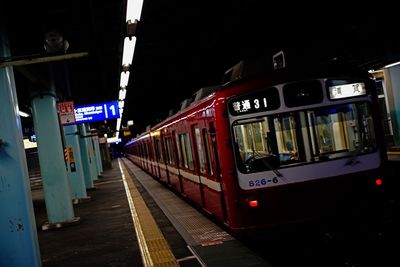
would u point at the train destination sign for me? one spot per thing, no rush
(264, 100)
(97, 112)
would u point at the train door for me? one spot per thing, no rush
(210, 185)
(160, 155)
(169, 156)
(179, 163)
(200, 161)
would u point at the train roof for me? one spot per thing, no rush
(261, 69)
(247, 70)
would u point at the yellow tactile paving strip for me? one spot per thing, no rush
(195, 228)
(153, 246)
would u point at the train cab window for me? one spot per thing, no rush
(302, 93)
(304, 136)
(285, 133)
(253, 146)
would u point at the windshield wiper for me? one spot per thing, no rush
(264, 160)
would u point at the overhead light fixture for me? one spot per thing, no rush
(392, 65)
(23, 114)
(118, 124)
(129, 48)
(122, 94)
(124, 79)
(134, 10)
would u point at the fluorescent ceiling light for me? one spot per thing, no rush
(129, 48)
(124, 79)
(23, 114)
(122, 94)
(134, 9)
(392, 65)
(118, 124)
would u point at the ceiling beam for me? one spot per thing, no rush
(28, 60)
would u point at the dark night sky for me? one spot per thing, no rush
(185, 45)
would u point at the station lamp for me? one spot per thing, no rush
(133, 13)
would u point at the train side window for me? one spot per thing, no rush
(208, 153)
(146, 150)
(200, 152)
(187, 155)
(303, 93)
(159, 153)
(170, 151)
(178, 150)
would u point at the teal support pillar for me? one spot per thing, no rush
(56, 185)
(19, 245)
(86, 157)
(75, 166)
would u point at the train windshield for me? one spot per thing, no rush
(305, 136)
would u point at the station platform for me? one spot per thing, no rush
(133, 220)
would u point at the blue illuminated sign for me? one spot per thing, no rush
(96, 112)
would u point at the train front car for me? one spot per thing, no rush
(304, 147)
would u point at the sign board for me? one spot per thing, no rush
(97, 112)
(66, 112)
(71, 159)
(259, 101)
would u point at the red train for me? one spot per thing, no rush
(270, 148)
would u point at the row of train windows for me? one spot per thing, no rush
(185, 158)
(303, 136)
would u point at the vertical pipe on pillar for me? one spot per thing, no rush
(95, 156)
(75, 168)
(86, 157)
(93, 167)
(99, 157)
(56, 186)
(19, 245)
(95, 140)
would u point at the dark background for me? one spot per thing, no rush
(185, 45)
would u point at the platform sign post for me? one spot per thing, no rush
(66, 112)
